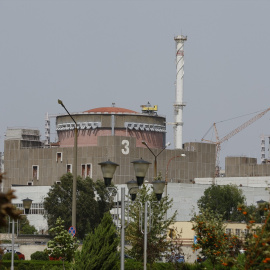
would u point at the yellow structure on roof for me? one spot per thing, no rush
(149, 108)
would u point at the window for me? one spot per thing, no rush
(237, 232)
(30, 183)
(35, 172)
(83, 170)
(58, 182)
(36, 208)
(59, 157)
(228, 231)
(69, 168)
(88, 170)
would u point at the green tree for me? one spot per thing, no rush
(99, 250)
(92, 202)
(211, 238)
(63, 245)
(223, 200)
(257, 244)
(254, 211)
(6, 207)
(25, 227)
(157, 242)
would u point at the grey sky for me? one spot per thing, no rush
(93, 53)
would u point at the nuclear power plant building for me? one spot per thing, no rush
(107, 133)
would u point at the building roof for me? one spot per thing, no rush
(110, 110)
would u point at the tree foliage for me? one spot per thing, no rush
(25, 227)
(212, 241)
(157, 237)
(92, 202)
(8, 256)
(63, 245)
(6, 207)
(257, 244)
(99, 250)
(39, 256)
(223, 200)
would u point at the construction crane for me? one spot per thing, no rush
(219, 141)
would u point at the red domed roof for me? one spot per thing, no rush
(110, 110)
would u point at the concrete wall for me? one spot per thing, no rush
(89, 137)
(198, 162)
(245, 167)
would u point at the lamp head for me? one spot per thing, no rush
(60, 102)
(108, 169)
(140, 168)
(27, 205)
(158, 187)
(132, 189)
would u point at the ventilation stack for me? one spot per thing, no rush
(179, 89)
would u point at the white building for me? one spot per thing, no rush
(185, 196)
(36, 213)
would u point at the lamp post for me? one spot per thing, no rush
(26, 205)
(260, 204)
(75, 166)
(108, 169)
(158, 187)
(166, 176)
(155, 163)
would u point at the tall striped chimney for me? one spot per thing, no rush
(179, 89)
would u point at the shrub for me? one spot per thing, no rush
(133, 265)
(7, 256)
(39, 256)
(22, 266)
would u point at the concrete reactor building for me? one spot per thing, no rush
(103, 133)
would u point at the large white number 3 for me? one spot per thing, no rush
(125, 151)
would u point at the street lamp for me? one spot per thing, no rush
(75, 167)
(26, 205)
(155, 163)
(133, 189)
(261, 204)
(158, 187)
(140, 167)
(108, 169)
(166, 176)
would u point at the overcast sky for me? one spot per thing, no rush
(93, 53)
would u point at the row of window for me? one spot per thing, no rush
(36, 208)
(33, 205)
(237, 232)
(86, 171)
